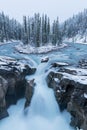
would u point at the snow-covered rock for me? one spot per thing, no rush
(59, 64)
(12, 81)
(45, 59)
(8, 63)
(70, 89)
(85, 95)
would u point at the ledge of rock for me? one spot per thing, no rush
(12, 82)
(29, 92)
(59, 64)
(70, 89)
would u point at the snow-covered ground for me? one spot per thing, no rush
(76, 74)
(7, 63)
(77, 39)
(27, 49)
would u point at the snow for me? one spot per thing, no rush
(79, 71)
(5, 61)
(61, 63)
(78, 129)
(58, 91)
(80, 75)
(2, 63)
(85, 95)
(56, 80)
(20, 66)
(44, 49)
(76, 78)
(77, 39)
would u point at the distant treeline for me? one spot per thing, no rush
(35, 30)
(38, 30)
(77, 25)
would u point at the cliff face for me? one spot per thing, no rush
(13, 84)
(70, 89)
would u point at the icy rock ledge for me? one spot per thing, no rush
(12, 82)
(70, 88)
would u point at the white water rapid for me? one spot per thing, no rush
(43, 112)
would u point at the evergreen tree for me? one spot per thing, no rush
(25, 32)
(36, 30)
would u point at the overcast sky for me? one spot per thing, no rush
(53, 8)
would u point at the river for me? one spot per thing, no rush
(43, 112)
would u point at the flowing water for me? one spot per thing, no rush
(43, 112)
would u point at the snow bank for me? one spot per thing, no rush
(79, 75)
(7, 63)
(79, 71)
(76, 78)
(77, 39)
(27, 49)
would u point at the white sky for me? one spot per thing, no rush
(53, 8)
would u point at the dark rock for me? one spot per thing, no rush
(12, 82)
(3, 113)
(29, 70)
(59, 64)
(83, 63)
(29, 92)
(45, 59)
(3, 91)
(70, 89)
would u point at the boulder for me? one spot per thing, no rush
(45, 59)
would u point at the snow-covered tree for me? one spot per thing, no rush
(75, 25)
(35, 30)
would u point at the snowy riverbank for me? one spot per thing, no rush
(77, 39)
(27, 49)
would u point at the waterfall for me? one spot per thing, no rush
(43, 112)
